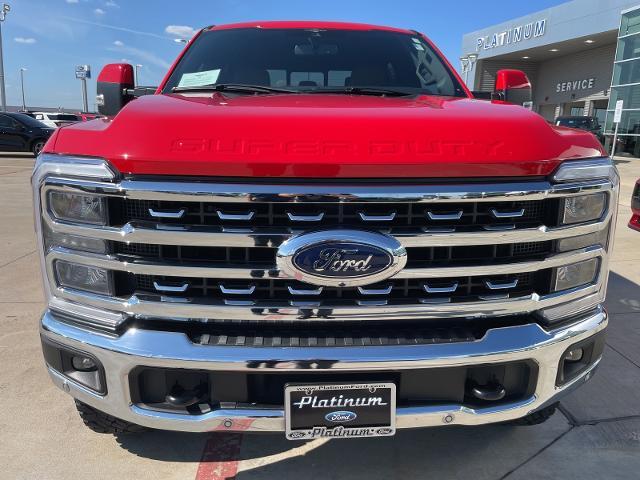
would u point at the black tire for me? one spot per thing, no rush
(36, 146)
(537, 417)
(101, 422)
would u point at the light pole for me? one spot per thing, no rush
(138, 74)
(464, 64)
(24, 104)
(3, 97)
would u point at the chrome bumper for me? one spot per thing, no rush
(119, 355)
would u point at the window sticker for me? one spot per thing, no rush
(198, 79)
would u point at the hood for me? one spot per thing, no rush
(325, 136)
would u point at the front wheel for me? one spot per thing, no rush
(37, 147)
(101, 422)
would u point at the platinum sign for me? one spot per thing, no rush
(512, 35)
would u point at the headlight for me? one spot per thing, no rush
(575, 275)
(76, 207)
(82, 277)
(583, 208)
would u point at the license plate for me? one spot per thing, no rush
(340, 411)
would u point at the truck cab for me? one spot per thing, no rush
(313, 228)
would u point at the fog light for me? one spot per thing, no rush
(84, 364)
(78, 207)
(576, 274)
(574, 355)
(82, 277)
(583, 208)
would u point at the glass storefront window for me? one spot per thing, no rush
(628, 48)
(629, 123)
(630, 95)
(626, 72)
(630, 23)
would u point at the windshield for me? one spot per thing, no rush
(29, 121)
(314, 60)
(579, 122)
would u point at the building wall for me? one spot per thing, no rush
(596, 64)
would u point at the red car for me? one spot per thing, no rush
(635, 208)
(314, 228)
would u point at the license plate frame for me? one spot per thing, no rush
(374, 403)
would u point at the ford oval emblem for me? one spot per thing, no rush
(340, 417)
(341, 258)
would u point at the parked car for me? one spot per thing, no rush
(55, 119)
(21, 133)
(590, 124)
(313, 228)
(635, 207)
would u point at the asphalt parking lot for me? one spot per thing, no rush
(595, 435)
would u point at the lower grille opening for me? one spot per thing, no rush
(196, 392)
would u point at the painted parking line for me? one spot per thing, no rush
(221, 453)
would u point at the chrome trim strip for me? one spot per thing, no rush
(512, 214)
(288, 193)
(144, 267)
(170, 288)
(120, 355)
(450, 289)
(501, 286)
(377, 218)
(375, 291)
(237, 291)
(304, 291)
(445, 216)
(305, 218)
(146, 232)
(167, 214)
(235, 216)
(152, 306)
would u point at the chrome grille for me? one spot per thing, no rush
(206, 251)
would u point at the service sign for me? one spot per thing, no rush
(617, 114)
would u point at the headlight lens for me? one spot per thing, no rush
(575, 275)
(583, 208)
(78, 207)
(82, 277)
(575, 170)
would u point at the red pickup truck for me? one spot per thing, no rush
(314, 228)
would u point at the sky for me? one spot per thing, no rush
(50, 37)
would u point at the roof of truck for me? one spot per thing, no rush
(304, 24)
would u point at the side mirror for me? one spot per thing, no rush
(512, 86)
(114, 81)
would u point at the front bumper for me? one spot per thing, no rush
(137, 347)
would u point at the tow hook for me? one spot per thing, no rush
(489, 393)
(180, 397)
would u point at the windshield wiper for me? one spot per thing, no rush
(362, 91)
(232, 87)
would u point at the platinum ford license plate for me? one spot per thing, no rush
(340, 411)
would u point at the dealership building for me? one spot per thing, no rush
(581, 57)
